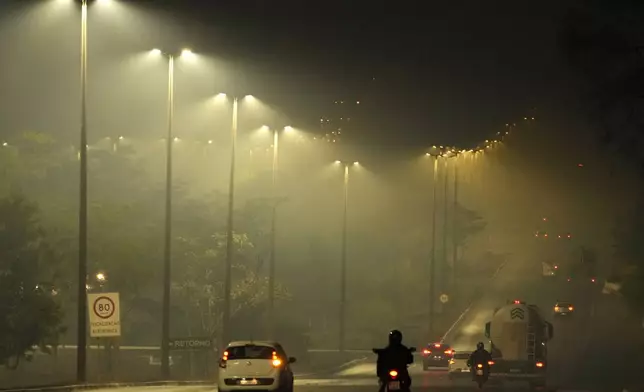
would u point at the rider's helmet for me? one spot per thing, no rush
(395, 337)
(480, 346)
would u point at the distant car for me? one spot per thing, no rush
(458, 365)
(436, 355)
(563, 308)
(255, 366)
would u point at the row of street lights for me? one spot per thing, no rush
(82, 249)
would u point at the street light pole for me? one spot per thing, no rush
(455, 232)
(271, 265)
(81, 351)
(229, 233)
(343, 271)
(445, 214)
(432, 261)
(167, 250)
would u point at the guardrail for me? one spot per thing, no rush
(156, 348)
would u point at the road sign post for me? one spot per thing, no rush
(104, 315)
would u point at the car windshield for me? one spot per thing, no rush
(250, 352)
(563, 304)
(437, 346)
(461, 355)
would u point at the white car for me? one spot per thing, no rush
(255, 366)
(458, 365)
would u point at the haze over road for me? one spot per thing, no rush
(580, 353)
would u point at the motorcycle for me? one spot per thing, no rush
(481, 373)
(392, 382)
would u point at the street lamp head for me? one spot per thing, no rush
(265, 128)
(156, 52)
(338, 162)
(288, 128)
(249, 98)
(356, 163)
(101, 277)
(187, 53)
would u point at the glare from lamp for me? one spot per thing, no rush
(187, 53)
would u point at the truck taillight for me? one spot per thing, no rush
(539, 364)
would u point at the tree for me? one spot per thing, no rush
(466, 224)
(30, 316)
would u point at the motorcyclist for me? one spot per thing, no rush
(395, 356)
(480, 355)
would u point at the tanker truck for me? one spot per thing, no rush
(519, 336)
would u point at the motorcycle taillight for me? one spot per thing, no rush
(393, 373)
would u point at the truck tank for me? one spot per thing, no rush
(519, 335)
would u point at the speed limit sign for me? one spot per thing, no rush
(104, 314)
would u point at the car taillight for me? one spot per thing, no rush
(539, 364)
(569, 307)
(426, 352)
(224, 360)
(593, 280)
(448, 352)
(277, 362)
(556, 308)
(437, 345)
(480, 366)
(490, 363)
(393, 373)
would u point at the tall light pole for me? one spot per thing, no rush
(81, 350)
(225, 330)
(447, 155)
(432, 260)
(455, 231)
(271, 265)
(167, 249)
(343, 262)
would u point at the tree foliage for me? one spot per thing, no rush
(30, 316)
(467, 223)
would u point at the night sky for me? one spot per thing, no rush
(449, 73)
